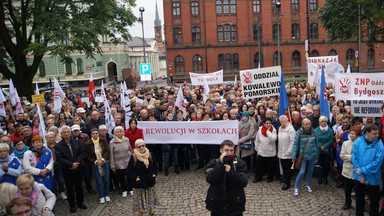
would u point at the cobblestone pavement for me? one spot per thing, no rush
(184, 194)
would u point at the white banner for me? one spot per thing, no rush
(263, 82)
(331, 66)
(365, 108)
(212, 78)
(359, 86)
(190, 132)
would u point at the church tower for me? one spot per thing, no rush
(158, 33)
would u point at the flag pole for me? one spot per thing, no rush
(11, 111)
(289, 113)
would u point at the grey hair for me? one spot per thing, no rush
(50, 133)
(63, 128)
(118, 128)
(102, 127)
(139, 141)
(52, 128)
(4, 145)
(323, 118)
(283, 117)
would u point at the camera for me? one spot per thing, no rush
(228, 159)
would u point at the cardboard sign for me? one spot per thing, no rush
(365, 108)
(263, 82)
(212, 78)
(359, 86)
(38, 99)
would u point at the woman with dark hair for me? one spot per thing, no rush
(38, 161)
(20, 148)
(261, 111)
(347, 172)
(133, 133)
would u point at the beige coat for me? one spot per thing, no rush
(45, 199)
(246, 133)
(346, 156)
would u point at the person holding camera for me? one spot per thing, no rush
(227, 177)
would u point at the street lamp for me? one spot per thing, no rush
(278, 6)
(141, 9)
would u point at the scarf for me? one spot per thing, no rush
(264, 130)
(142, 157)
(33, 197)
(98, 154)
(324, 128)
(120, 140)
(20, 154)
(36, 151)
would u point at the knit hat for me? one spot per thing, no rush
(245, 113)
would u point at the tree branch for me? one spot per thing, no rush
(16, 24)
(5, 37)
(6, 72)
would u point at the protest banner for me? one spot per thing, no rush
(263, 82)
(86, 100)
(331, 67)
(359, 86)
(212, 78)
(38, 99)
(191, 132)
(365, 108)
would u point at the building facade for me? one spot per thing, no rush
(206, 36)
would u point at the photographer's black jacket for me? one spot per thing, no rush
(226, 192)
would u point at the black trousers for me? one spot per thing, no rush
(209, 152)
(287, 172)
(121, 175)
(87, 173)
(348, 186)
(184, 156)
(374, 198)
(158, 153)
(265, 164)
(214, 214)
(325, 163)
(74, 182)
(113, 180)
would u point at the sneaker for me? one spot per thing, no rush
(108, 199)
(296, 192)
(308, 189)
(131, 192)
(102, 200)
(63, 196)
(124, 194)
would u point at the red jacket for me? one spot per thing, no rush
(14, 136)
(133, 135)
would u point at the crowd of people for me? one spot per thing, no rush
(78, 146)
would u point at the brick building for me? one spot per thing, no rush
(204, 36)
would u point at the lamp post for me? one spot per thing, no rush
(141, 19)
(278, 6)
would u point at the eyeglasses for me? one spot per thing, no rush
(140, 146)
(3, 151)
(22, 213)
(323, 121)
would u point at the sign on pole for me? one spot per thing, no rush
(145, 71)
(365, 108)
(263, 82)
(38, 99)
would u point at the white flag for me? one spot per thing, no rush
(2, 106)
(348, 69)
(205, 90)
(19, 107)
(12, 93)
(180, 102)
(121, 95)
(109, 122)
(234, 83)
(42, 130)
(58, 96)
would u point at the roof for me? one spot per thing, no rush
(137, 42)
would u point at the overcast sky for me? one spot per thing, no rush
(149, 17)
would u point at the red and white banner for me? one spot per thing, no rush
(359, 86)
(190, 132)
(263, 82)
(331, 67)
(58, 96)
(212, 78)
(91, 88)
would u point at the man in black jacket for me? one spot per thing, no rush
(69, 154)
(227, 178)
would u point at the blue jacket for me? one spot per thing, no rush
(368, 159)
(325, 139)
(311, 151)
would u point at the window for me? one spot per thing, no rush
(371, 58)
(228, 63)
(177, 36)
(332, 52)
(221, 61)
(226, 6)
(219, 7)
(233, 6)
(256, 6)
(68, 68)
(313, 5)
(314, 53)
(79, 64)
(256, 60)
(294, 6)
(220, 33)
(99, 63)
(295, 31)
(227, 32)
(274, 8)
(195, 8)
(196, 36)
(235, 63)
(257, 30)
(42, 71)
(350, 57)
(179, 64)
(296, 61)
(274, 31)
(176, 8)
(275, 62)
(314, 31)
(234, 33)
(197, 64)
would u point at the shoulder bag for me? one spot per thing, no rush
(300, 158)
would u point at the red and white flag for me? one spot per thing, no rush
(58, 96)
(91, 88)
(2, 106)
(205, 91)
(12, 93)
(180, 102)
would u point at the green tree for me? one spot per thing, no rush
(57, 28)
(340, 19)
